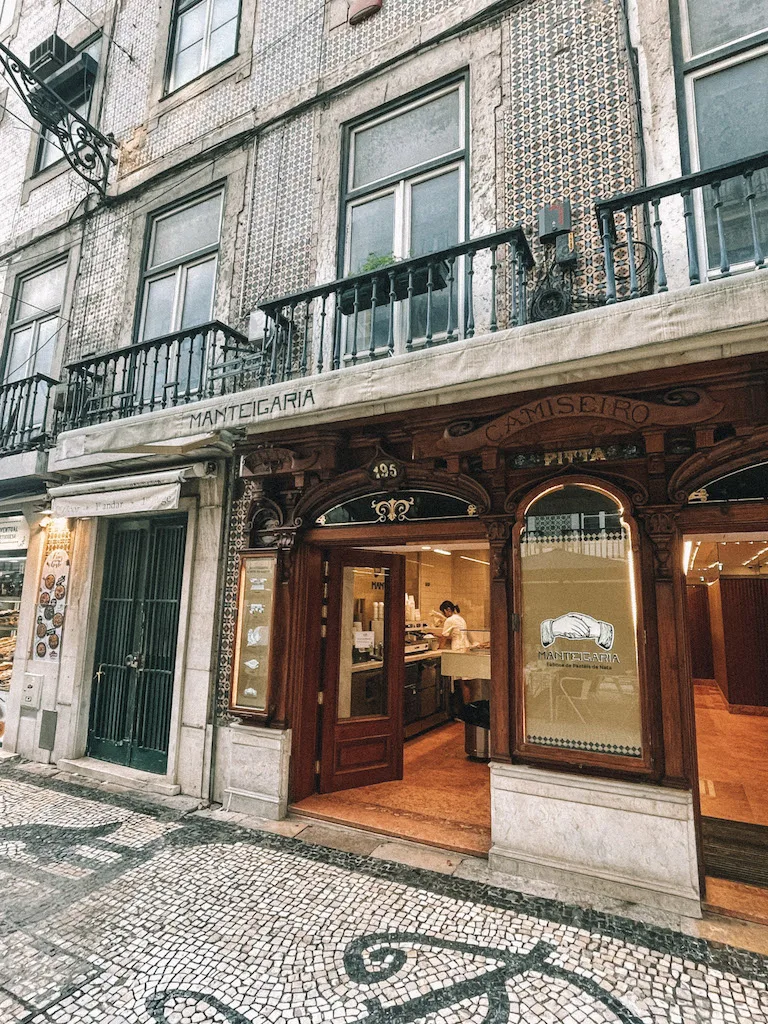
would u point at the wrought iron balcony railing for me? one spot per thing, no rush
(201, 362)
(24, 408)
(477, 287)
(723, 213)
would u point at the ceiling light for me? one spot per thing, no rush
(425, 547)
(478, 560)
(440, 551)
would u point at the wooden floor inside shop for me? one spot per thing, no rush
(443, 800)
(733, 760)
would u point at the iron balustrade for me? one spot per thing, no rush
(725, 213)
(188, 366)
(478, 286)
(24, 406)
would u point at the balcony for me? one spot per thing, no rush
(204, 362)
(478, 287)
(700, 227)
(24, 406)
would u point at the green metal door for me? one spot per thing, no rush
(135, 659)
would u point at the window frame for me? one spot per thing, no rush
(646, 766)
(169, 87)
(688, 66)
(349, 195)
(36, 318)
(44, 135)
(163, 269)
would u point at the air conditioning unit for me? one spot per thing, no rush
(50, 55)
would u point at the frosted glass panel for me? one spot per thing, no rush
(731, 110)
(435, 214)
(19, 354)
(423, 133)
(579, 625)
(40, 293)
(158, 316)
(731, 124)
(372, 233)
(193, 228)
(714, 23)
(198, 296)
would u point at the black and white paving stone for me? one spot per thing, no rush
(113, 913)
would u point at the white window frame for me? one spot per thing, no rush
(685, 30)
(205, 66)
(179, 268)
(690, 79)
(400, 185)
(35, 319)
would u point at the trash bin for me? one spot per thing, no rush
(477, 729)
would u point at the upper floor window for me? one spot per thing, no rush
(35, 323)
(724, 71)
(203, 34)
(79, 90)
(405, 191)
(180, 268)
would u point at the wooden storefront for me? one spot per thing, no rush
(645, 444)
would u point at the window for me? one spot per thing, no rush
(579, 626)
(34, 324)
(405, 192)
(77, 95)
(203, 34)
(724, 69)
(180, 270)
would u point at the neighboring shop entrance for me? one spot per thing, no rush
(132, 689)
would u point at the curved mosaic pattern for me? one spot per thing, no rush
(114, 912)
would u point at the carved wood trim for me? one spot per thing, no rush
(725, 457)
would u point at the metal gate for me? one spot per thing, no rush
(132, 689)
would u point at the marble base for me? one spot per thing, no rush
(119, 775)
(257, 780)
(631, 841)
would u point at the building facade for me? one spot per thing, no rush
(368, 281)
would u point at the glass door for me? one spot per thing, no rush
(362, 733)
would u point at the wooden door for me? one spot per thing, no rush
(362, 730)
(136, 643)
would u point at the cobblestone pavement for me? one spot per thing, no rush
(118, 912)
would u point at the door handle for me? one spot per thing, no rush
(135, 661)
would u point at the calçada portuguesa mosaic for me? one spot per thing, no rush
(116, 914)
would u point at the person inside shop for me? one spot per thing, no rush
(454, 635)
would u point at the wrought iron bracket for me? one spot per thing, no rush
(88, 152)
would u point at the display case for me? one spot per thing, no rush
(11, 581)
(251, 672)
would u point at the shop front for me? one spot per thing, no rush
(554, 521)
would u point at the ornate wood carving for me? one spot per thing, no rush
(628, 413)
(499, 530)
(724, 457)
(661, 527)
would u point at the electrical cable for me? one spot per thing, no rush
(101, 29)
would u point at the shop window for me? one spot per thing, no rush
(203, 35)
(180, 269)
(579, 625)
(14, 537)
(404, 197)
(35, 323)
(724, 70)
(76, 90)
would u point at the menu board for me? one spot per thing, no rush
(51, 606)
(255, 606)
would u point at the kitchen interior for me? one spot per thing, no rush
(727, 604)
(444, 796)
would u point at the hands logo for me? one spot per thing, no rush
(577, 626)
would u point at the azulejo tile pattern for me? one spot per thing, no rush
(114, 912)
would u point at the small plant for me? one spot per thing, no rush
(377, 260)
